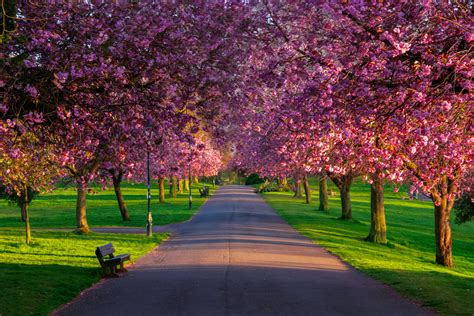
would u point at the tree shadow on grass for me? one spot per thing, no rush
(439, 289)
(37, 289)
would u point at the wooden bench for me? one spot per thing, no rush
(109, 262)
(204, 192)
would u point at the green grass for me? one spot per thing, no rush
(58, 265)
(54, 269)
(406, 262)
(57, 209)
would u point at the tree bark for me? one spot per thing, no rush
(323, 194)
(444, 242)
(343, 182)
(307, 189)
(117, 180)
(161, 183)
(27, 219)
(173, 187)
(81, 219)
(378, 227)
(443, 207)
(346, 203)
(298, 189)
(180, 186)
(23, 209)
(186, 185)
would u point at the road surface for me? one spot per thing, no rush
(237, 257)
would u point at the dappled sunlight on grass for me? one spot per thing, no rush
(406, 262)
(57, 209)
(59, 264)
(55, 267)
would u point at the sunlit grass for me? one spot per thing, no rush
(57, 209)
(407, 261)
(56, 267)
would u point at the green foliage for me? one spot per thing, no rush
(268, 186)
(407, 262)
(253, 179)
(15, 200)
(464, 208)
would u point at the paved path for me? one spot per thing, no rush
(237, 257)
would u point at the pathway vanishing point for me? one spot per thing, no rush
(237, 257)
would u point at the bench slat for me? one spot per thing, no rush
(106, 250)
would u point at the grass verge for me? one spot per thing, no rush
(406, 262)
(57, 209)
(56, 267)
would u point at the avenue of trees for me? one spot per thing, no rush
(335, 89)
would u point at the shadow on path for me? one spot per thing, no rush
(237, 257)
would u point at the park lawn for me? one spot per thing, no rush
(57, 209)
(56, 267)
(407, 261)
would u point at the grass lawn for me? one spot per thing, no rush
(407, 261)
(54, 269)
(57, 209)
(58, 265)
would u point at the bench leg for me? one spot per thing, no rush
(109, 272)
(113, 272)
(122, 268)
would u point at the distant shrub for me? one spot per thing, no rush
(253, 179)
(464, 207)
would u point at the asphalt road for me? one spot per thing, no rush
(237, 257)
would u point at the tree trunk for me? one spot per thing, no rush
(378, 228)
(444, 241)
(344, 185)
(81, 219)
(173, 187)
(161, 183)
(23, 208)
(120, 200)
(196, 180)
(186, 185)
(298, 190)
(180, 186)
(323, 194)
(27, 219)
(346, 203)
(307, 189)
